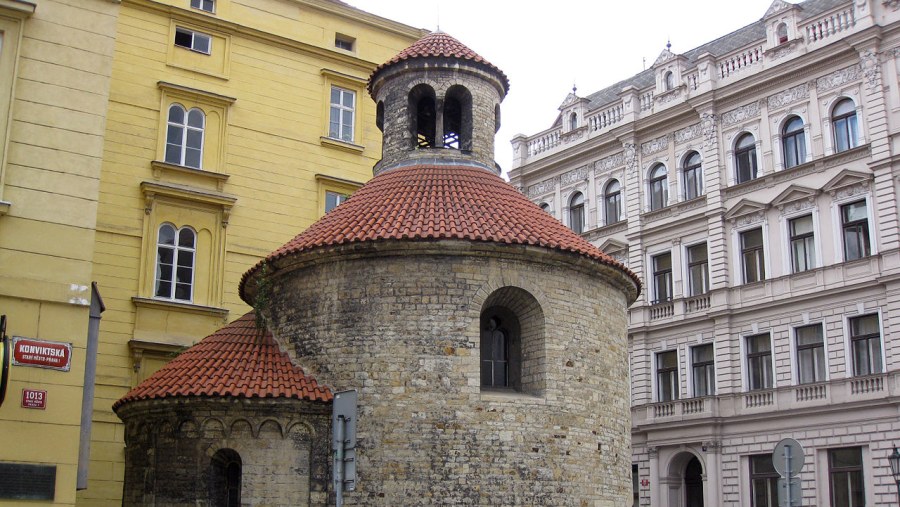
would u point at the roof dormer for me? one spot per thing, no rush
(781, 22)
(572, 112)
(669, 69)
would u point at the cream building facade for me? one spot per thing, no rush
(752, 183)
(158, 149)
(55, 64)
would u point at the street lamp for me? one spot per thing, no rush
(894, 460)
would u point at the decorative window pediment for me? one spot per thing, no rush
(613, 245)
(794, 193)
(847, 178)
(744, 208)
(153, 190)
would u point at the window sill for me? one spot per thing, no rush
(508, 395)
(341, 145)
(182, 307)
(160, 168)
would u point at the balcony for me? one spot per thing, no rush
(869, 389)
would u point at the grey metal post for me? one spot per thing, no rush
(87, 398)
(787, 468)
(339, 463)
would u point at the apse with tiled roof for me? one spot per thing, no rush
(487, 341)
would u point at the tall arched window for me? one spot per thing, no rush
(225, 479)
(423, 116)
(745, 158)
(793, 142)
(659, 187)
(843, 121)
(670, 81)
(573, 121)
(458, 118)
(612, 201)
(184, 136)
(692, 173)
(576, 212)
(175, 253)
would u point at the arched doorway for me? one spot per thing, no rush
(684, 481)
(693, 483)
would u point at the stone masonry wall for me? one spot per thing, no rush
(284, 446)
(399, 321)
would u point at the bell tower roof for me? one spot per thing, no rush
(442, 46)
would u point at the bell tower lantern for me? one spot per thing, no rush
(438, 101)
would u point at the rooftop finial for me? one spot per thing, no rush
(574, 88)
(668, 44)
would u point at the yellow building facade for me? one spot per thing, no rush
(158, 149)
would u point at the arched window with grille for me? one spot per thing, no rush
(843, 121)
(659, 187)
(576, 212)
(184, 136)
(175, 253)
(745, 158)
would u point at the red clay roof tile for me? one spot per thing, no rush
(237, 360)
(399, 203)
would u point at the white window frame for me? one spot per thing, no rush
(682, 186)
(198, 4)
(745, 364)
(655, 381)
(689, 369)
(837, 219)
(649, 254)
(339, 197)
(786, 251)
(686, 270)
(671, 286)
(176, 248)
(848, 342)
(737, 260)
(184, 134)
(807, 148)
(666, 187)
(341, 109)
(195, 36)
(795, 353)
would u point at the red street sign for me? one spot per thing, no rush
(645, 482)
(41, 353)
(34, 398)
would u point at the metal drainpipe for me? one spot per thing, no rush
(87, 400)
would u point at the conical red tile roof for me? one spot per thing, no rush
(237, 360)
(439, 45)
(431, 202)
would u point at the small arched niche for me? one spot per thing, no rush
(457, 118)
(423, 116)
(512, 342)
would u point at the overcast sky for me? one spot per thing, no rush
(545, 47)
